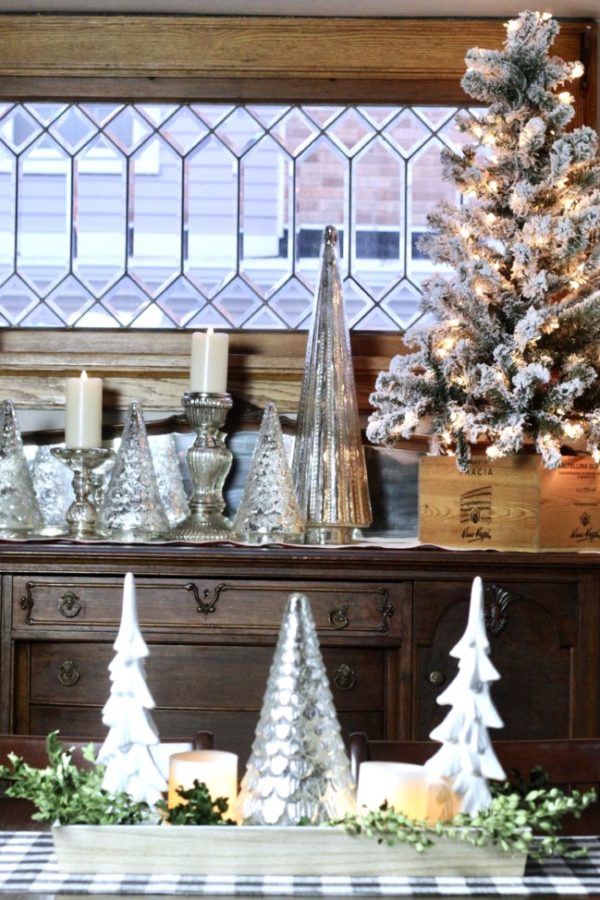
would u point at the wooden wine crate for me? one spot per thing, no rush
(513, 503)
(260, 850)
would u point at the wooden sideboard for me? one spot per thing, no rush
(386, 621)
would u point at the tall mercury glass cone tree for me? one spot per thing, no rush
(512, 359)
(329, 465)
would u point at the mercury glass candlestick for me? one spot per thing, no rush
(209, 461)
(81, 515)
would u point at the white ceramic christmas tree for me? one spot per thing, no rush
(126, 751)
(466, 756)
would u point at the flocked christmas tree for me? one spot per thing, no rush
(126, 752)
(466, 756)
(512, 358)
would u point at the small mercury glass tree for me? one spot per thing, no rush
(19, 509)
(466, 756)
(512, 358)
(269, 508)
(126, 753)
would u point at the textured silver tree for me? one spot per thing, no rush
(131, 507)
(298, 768)
(269, 508)
(19, 510)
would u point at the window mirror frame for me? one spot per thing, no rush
(230, 59)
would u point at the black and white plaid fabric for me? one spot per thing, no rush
(28, 865)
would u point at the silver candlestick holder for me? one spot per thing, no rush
(81, 515)
(209, 461)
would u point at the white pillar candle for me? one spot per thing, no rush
(83, 412)
(404, 786)
(216, 768)
(442, 802)
(208, 373)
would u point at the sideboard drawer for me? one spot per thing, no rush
(196, 676)
(362, 608)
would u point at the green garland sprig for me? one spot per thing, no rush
(518, 822)
(199, 808)
(65, 793)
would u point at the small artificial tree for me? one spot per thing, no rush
(466, 756)
(512, 358)
(126, 753)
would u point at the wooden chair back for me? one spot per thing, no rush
(568, 763)
(32, 747)
(15, 815)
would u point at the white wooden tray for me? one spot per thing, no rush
(259, 850)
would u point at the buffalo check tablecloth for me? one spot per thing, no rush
(28, 866)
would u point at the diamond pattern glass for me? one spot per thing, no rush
(69, 301)
(265, 215)
(155, 218)
(351, 132)
(295, 132)
(18, 129)
(210, 210)
(378, 214)
(72, 129)
(406, 132)
(321, 190)
(165, 215)
(100, 215)
(8, 199)
(44, 242)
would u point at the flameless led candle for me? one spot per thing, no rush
(216, 768)
(442, 802)
(404, 786)
(83, 412)
(208, 372)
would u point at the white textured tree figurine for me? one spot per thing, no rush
(466, 756)
(126, 751)
(513, 356)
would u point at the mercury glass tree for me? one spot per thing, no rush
(329, 463)
(19, 509)
(131, 506)
(298, 769)
(269, 508)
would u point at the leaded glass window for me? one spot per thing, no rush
(185, 216)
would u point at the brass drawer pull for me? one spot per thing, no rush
(344, 678)
(339, 617)
(27, 602)
(68, 673)
(69, 605)
(436, 678)
(207, 603)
